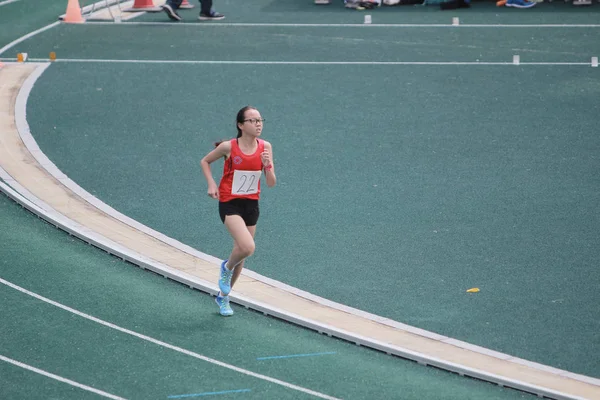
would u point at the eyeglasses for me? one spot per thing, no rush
(255, 121)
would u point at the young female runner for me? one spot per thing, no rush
(246, 157)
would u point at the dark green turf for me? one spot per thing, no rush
(24, 16)
(44, 260)
(331, 44)
(456, 177)
(399, 186)
(19, 383)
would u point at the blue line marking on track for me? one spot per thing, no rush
(181, 396)
(295, 355)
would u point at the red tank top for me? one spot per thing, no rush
(241, 174)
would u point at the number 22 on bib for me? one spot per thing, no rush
(245, 182)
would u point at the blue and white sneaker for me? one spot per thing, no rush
(225, 279)
(520, 3)
(224, 307)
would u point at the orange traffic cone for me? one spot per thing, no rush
(143, 5)
(186, 5)
(73, 15)
(1, 64)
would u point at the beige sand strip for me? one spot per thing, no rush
(72, 209)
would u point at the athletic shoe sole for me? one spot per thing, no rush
(171, 13)
(203, 18)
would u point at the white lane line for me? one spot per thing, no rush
(449, 25)
(167, 345)
(23, 38)
(59, 378)
(5, 2)
(250, 62)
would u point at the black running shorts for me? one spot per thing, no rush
(247, 209)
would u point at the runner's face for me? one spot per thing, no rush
(253, 123)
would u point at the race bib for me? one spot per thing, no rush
(245, 182)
